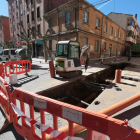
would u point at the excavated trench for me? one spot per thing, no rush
(94, 84)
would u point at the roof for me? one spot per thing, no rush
(127, 15)
(120, 13)
(64, 42)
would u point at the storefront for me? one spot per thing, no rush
(38, 49)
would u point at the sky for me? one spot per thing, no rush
(121, 6)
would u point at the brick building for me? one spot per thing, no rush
(130, 24)
(4, 30)
(79, 20)
(30, 12)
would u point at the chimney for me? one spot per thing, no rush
(136, 16)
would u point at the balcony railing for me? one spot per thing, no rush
(130, 28)
(130, 39)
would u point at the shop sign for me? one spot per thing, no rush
(39, 42)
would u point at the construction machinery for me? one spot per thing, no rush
(68, 58)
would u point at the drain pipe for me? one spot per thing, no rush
(108, 111)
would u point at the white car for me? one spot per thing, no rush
(8, 55)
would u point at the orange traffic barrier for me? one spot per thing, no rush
(52, 70)
(107, 111)
(90, 120)
(4, 104)
(21, 67)
(118, 76)
(2, 73)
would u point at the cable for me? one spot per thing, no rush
(97, 4)
(129, 133)
(104, 4)
(97, 1)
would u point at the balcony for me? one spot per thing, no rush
(135, 32)
(130, 28)
(131, 40)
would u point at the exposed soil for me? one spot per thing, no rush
(67, 91)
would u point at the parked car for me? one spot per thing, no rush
(8, 55)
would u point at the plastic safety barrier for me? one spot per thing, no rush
(17, 67)
(4, 104)
(2, 74)
(115, 129)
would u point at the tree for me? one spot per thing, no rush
(46, 50)
(33, 32)
(24, 37)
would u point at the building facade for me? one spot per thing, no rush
(138, 39)
(4, 31)
(79, 21)
(30, 13)
(128, 23)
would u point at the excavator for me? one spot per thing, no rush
(68, 58)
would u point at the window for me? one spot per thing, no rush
(123, 37)
(105, 29)
(97, 22)
(32, 1)
(119, 34)
(6, 52)
(21, 23)
(38, 12)
(68, 18)
(96, 45)
(50, 24)
(86, 14)
(28, 33)
(50, 44)
(21, 12)
(131, 23)
(17, 15)
(13, 52)
(85, 41)
(27, 18)
(115, 32)
(27, 3)
(62, 50)
(74, 51)
(16, 4)
(104, 46)
(32, 15)
(111, 30)
(38, 28)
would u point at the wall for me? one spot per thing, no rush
(4, 29)
(77, 30)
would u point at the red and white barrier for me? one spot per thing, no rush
(44, 128)
(21, 67)
(4, 104)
